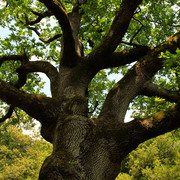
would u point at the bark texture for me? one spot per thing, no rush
(86, 148)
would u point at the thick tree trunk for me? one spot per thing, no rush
(86, 150)
(82, 151)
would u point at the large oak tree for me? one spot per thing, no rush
(83, 38)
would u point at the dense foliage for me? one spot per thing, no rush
(153, 23)
(156, 159)
(21, 156)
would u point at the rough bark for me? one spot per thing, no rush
(86, 148)
(93, 149)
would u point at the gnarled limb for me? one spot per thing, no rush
(21, 81)
(11, 95)
(40, 66)
(23, 70)
(20, 57)
(123, 57)
(68, 49)
(21, 78)
(118, 99)
(44, 67)
(151, 89)
(31, 66)
(129, 135)
(157, 124)
(40, 107)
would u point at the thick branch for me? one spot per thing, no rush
(151, 89)
(44, 67)
(22, 77)
(124, 57)
(118, 28)
(37, 106)
(57, 8)
(75, 19)
(129, 135)
(11, 57)
(159, 123)
(40, 66)
(118, 99)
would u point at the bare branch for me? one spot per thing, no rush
(8, 114)
(40, 17)
(151, 89)
(43, 40)
(137, 31)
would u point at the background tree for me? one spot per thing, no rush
(157, 158)
(21, 156)
(77, 41)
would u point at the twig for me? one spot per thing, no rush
(45, 41)
(96, 105)
(138, 30)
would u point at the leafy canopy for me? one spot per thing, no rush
(153, 22)
(157, 158)
(21, 156)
